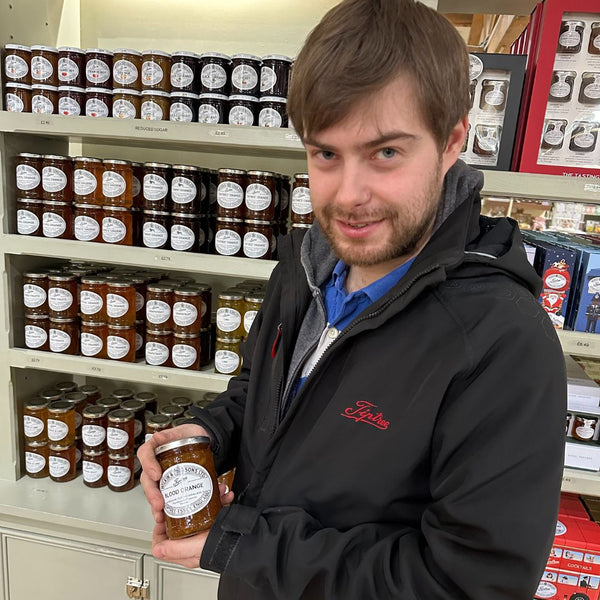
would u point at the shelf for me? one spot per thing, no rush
(139, 372)
(209, 264)
(581, 344)
(581, 482)
(225, 139)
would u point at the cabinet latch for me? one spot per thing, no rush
(136, 588)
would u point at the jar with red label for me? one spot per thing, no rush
(44, 65)
(260, 196)
(92, 299)
(93, 339)
(230, 193)
(36, 459)
(87, 180)
(272, 112)
(155, 105)
(117, 182)
(185, 232)
(126, 104)
(157, 351)
(87, 222)
(64, 336)
(184, 74)
(228, 237)
(245, 74)
(62, 463)
(183, 107)
(120, 342)
(302, 211)
(98, 68)
(188, 310)
(94, 468)
(155, 229)
(29, 175)
(274, 75)
(98, 102)
(156, 70)
(57, 178)
(35, 417)
(120, 431)
(117, 226)
(155, 186)
(37, 329)
(243, 110)
(17, 97)
(228, 359)
(35, 292)
(71, 66)
(29, 216)
(71, 100)
(62, 296)
(61, 423)
(159, 307)
(121, 471)
(17, 63)
(93, 430)
(186, 189)
(258, 239)
(185, 353)
(127, 67)
(44, 99)
(120, 303)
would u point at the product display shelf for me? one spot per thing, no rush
(581, 482)
(582, 344)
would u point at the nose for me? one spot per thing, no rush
(352, 185)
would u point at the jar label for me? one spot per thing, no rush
(184, 356)
(34, 463)
(118, 476)
(92, 472)
(32, 426)
(117, 347)
(230, 194)
(97, 71)
(41, 68)
(157, 311)
(85, 229)
(183, 190)
(59, 340)
(269, 117)
(301, 203)
(53, 225)
(113, 230)
(182, 75)
(208, 114)
(181, 112)
(256, 244)
(152, 73)
(78, 420)
(94, 107)
(592, 91)
(53, 179)
(151, 111)
(91, 344)
(136, 186)
(68, 106)
(116, 438)
(67, 69)
(569, 39)
(14, 103)
(15, 67)
(494, 98)
(203, 309)
(59, 467)
(585, 433)
(139, 301)
(139, 342)
(116, 305)
(244, 77)
(33, 295)
(57, 430)
(154, 235)
(124, 72)
(84, 182)
(123, 109)
(59, 299)
(186, 488)
(90, 303)
(226, 361)
(268, 79)
(228, 319)
(584, 140)
(35, 337)
(213, 76)
(258, 197)
(113, 184)
(41, 105)
(227, 242)
(184, 313)
(156, 353)
(93, 435)
(27, 222)
(155, 187)
(182, 237)
(241, 115)
(596, 42)
(28, 178)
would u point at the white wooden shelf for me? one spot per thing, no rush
(581, 344)
(581, 482)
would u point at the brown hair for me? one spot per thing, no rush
(362, 45)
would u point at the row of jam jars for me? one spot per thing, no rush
(249, 238)
(184, 232)
(117, 342)
(182, 350)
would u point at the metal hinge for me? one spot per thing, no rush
(136, 588)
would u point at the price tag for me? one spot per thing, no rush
(219, 133)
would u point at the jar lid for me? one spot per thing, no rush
(156, 53)
(44, 87)
(44, 48)
(121, 327)
(63, 277)
(119, 456)
(156, 93)
(229, 340)
(36, 403)
(301, 225)
(111, 161)
(92, 324)
(95, 410)
(120, 415)
(213, 97)
(87, 159)
(116, 208)
(301, 175)
(17, 85)
(36, 317)
(156, 165)
(277, 57)
(120, 284)
(28, 154)
(35, 445)
(126, 91)
(232, 171)
(145, 396)
(126, 51)
(569, 22)
(17, 47)
(98, 51)
(60, 406)
(184, 53)
(51, 394)
(254, 297)
(62, 320)
(245, 57)
(92, 452)
(30, 201)
(274, 99)
(75, 397)
(35, 274)
(108, 401)
(93, 278)
(155, 332)
(58, 448)
(192, 216)
(56, 157)
(198, 286)
(89, 388)
(160, 287)
(179, 334)
(184, 95)
(71, 49)
(181, 401)
(186, 168)
(158, 420)
(256, 222)
(199, 439)
(262, 173)
(98, 90)
(55, 203)
(229, 220)
(133, 404)
(215, 55)
(71, 88)
(240, 97)
(230, 295)
(155, 213)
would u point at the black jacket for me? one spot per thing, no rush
(422, 458)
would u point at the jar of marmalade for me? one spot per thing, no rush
(157, 351)
(171, 410)
(302, 211)
(127, 67)
(155, 105)
(185, 353)
(117, 183)
(230, 193)
(78, 400)
(64, 335)
(29, 216)
(228, 360)
(87, 222)
(17, 97)
(585, 428)
(44, 99)
(37, 329)
(36, 459)
(120, 431)
(120, 342)
(87, 180)
(121, 470)
(93, 339)
(35, 416)
(187, 310)
(44, 65)
(98, 102)
(189, 486)
(91, 391)
(29, 175)
(159, 305)
(57, 178)
(117, 226)
(71, 66)
(228, 236)
(260, 196)
(94, 468)
(252, 303)
(57, 220)
(122, 394)
(62, 463)
(230, 308)
(98, 67)
(156, 68)
(61, 423)
(17, 63)
(62, 296)
(186, 187)
(66, 386)
(155, 230)
(156, 423)
(110, 402)
(150, 399)
(155, 187)
(126, 104)
(92, 299)
(185, 232)
(35, 292)
(93, 430)
(138, 408)
(258, 239)
(120, 303)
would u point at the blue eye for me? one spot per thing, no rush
(388, 152)
(327, 155)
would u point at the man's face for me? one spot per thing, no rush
(376, 178)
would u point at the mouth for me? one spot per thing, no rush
(357, 228)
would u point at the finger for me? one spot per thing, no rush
(152, 492)
(227, 499)
(186, 551)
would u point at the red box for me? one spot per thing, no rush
(591, 559)
(558, 585)
(572, 544)
(571, 506)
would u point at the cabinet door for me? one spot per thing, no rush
(55, 569)
(169, 581)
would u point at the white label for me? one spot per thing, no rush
(35, 337)
(92, 472)
(14, 103)
(258, 196)
(249, 317)
(208, 114)
(59, 299)
(554, 137)
(15, 67)
(268, 79)
(155, 187)
(241, 115)
(139, 342)
(182, 75)
(596, 42)
(116, 306)
(228, 319)
(584, 140)
(585, 433)
(560, 89)
(569, 39)
(90, 303)
(545, 590)
(94, 107)
(494, 98)
(213, 76)
(118, 476)
(154, 235)
(84, 182)
(184, 313)
(28, 178)
(53, 225)
(85, 229)
(57, 430)
(53, 179)
(32, 426)
(67, 69)
(184, 356)
(227, 242)
(59, 467)
(123, 109)
(124, 72)
(244, 77)
(33, 295)
(186, 488)
(91, 344)
(27, 222)
(156, 353)
(93, 435)
(41, 68)
(226, 361)
(69, 107)
(230, 194)
(592, 91)
(59, 340)
(136, 186)
(151, 111)
(181, 112)
(113, 184)
(113, 230)
(152, 73)
(97, 71)
(117, 347)
(269, 117)
(139, 301)
(34, 463)
(255, 244)
(41, 105)
(157, 311)
(301, 203)
(116, 438)
(183, 190)
(182, 237)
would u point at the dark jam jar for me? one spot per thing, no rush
(185, 232)
(184, 107)
(589, 93)
(228, 236)
(127, 66)
(29, 216)
(98, 68)
(230, 193)
(243, 110)
(274, 75)
(260, 195)
(17, 97)
(554, 134)
(493, 95)
(155, 229)
(155, 187)
(215, 72)
(71, 66)
(213, 108)
(561, 87)
(185, 72)
(57, 178)
(98, 102)
(245, 74)
(301, 205)
(258, 239)
(186, 187)
(584, 136)
(44, 99)
(272, 112)
(17, 63)
(570, 37)
(44, 65)
(29, 175)
(594, 44)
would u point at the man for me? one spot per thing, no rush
(398, 425)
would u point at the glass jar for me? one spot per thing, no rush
(584, 136)
(44, 99)
(57, 220)
(93, 430)
(150, 399)
(215, 73)
(243, 110)
(302, 211)
(138, 408)
(62, 296)
(17, 97)
(584, 428)
(252, 303)
(561, 86)
(274, 75)
(121, 467)
(51, 394)
(140, 297)
(127, 67)
(62, 463)
(57, 178)
(122, 394)
(185, 353)
(245, 74)
(183, 107)
(98, 67)
(87, 179)
(493, 95)
(29, 216)
(35, 292)
(71, 66)
(64, 335)
(66, 386)
(117, 226)
(44, 65)
(61, 423)
(120, 431)
(589, 92)
(594, 43)
(186, 186)
(117, 183)
(17, 63)
(182, 401)
(71, 101)
(37, 329)
(171, 410)
(94, 468)
(29, 175)
(260, 196)
(258, 239)
(272, 112)
(156, 68)
(120, 303)
(136, 185)
(35, 417)
(87, 222)
(140, 338)
(159, 307)
(213, 108)
(157, 351)
(110, 402)
(230, 308)
(230, 193)
(120, 342)
(228, 236)
(184, 75)
(187, 310)
(92, 299)
(155, 105)
(155, 229)
(185, 232)
(126, 104)
(156, 423)
(36, 459)
(93, 339)
(571, 37)
(155, 187)
(98, 102)
(78, 400)
(228, 360)
(91, 391)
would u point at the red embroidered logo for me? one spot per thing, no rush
(362, 413)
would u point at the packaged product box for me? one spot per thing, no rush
(562, 585)
(582, 455)
(583, 393)
(572, 506)
(592, 505)
(591, 558)
(588, 309)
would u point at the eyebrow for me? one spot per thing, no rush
(382, 139)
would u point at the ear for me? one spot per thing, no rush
(455, 143)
